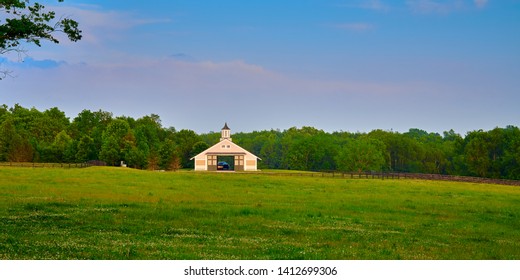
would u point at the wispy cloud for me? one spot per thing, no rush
(480, 3)
(434, 6)
(354, 26)
(108, 35)
(169, 81)
(183, 57)
(29, 62)
(376, 5)
(419, 6)
(101, 25)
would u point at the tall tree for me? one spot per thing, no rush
(85, 149)
(271, 152)
(115, 139)
(169, 157)
(477, 153)
(150, 131)
(92, 125)
(186, 139)
(14, 145)
(360, 155)
(62, 148)
(510, 162)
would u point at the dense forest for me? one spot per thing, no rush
(29, 135)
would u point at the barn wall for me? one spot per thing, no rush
(200, 163)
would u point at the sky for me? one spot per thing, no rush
(336, 65)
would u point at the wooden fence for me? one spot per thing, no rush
(45, 165)
(395, 176)
(323, 174)
(460, 179)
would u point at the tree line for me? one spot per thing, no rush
(29, 135)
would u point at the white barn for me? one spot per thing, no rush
(242, 159)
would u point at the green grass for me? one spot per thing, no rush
(111, 213)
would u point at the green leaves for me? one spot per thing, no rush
(32, 24)
(70, 27)
(361, 155)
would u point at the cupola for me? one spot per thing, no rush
(225, 133)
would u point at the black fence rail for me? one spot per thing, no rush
(395, 176)
(45, 165)
(469, 179)
(333, 174)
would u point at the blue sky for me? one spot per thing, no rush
(336, 65)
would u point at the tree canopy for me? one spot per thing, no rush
(21, 21)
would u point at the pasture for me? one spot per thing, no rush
(118, 213)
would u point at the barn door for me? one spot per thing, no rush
(212, 163)
(239, 163)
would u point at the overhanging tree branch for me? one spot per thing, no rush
(31, 24)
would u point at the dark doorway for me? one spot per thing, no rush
(225, 163)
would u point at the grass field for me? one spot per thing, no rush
(116, 213)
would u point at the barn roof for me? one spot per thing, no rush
(217, 149)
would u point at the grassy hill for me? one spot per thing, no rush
(116, 213)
